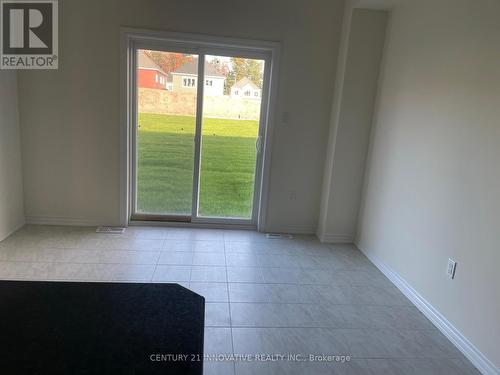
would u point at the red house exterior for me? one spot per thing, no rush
(149, 74)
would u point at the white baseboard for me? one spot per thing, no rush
(60, 220)
(478, 359)
(72, 221)
(13, 230)
(335, 238)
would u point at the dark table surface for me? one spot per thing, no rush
(100, 328)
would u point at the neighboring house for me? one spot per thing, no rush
(185, 79)
(149, 74)
(245, 89)
(170, 85)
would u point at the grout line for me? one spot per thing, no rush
(77, 262)
(157, 261)
(138, 281)
(8, 251)
(200, 265)
(399, 329)
(420, 358)
(304, 268)
(229, 307)
(328, 304)
(190, 274)
(300, 253)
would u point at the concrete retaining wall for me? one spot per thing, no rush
(173, 103)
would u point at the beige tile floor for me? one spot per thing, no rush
(263, 296)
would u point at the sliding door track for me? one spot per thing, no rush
(161, 218)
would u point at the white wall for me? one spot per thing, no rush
(351, 123)
(11, 187)
(432, 188)
(70, 117)
(217, 88)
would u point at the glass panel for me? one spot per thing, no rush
(166, 96)
(230, 127)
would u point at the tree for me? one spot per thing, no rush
(255, 71)
(240, 68)
(221, 66)
(168, 61)
(224, 69)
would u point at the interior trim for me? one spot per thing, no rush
(478, 359)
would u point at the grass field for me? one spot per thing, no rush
(165, 165)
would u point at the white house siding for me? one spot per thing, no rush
(240, 92)
(217, 88)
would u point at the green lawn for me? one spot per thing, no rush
(165, 165)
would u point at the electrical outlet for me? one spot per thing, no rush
(450, 270)
(292, 194)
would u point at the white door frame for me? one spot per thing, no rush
(133, 39)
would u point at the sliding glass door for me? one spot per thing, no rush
(229, 137)
(198, 135)
(165, 132)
